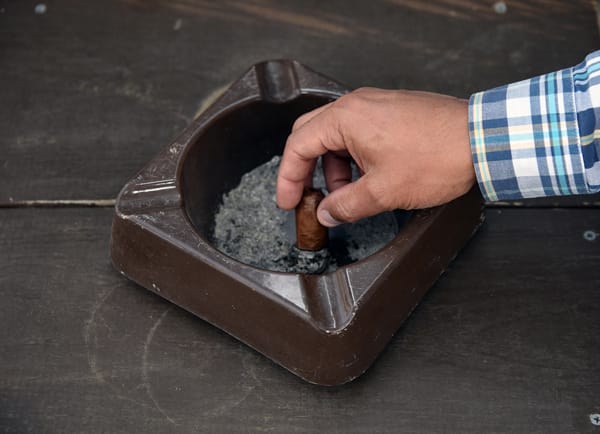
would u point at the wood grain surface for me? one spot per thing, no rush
(506, 342)
(90, 93)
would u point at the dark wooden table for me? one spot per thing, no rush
(508, 340)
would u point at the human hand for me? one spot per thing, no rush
(411, 147)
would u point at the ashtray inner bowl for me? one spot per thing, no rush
(233, 144)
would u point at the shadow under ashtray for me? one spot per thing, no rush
(327, 329)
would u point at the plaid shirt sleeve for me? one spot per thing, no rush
(539, 137)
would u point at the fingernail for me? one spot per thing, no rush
(326, 219)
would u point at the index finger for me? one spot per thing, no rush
(314, 138)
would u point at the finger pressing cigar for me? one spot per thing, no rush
(310, 234)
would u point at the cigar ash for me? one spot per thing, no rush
(251, 229)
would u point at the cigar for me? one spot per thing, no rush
(310, 250)
(310, 234)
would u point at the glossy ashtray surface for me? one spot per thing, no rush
(327, 329)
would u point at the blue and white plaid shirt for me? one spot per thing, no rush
(539, 137)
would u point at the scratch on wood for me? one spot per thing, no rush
(203, 9)
(145, 376)
(90, 338)
(248, 373)
(433, 7)
(135, 91)
(474, 9)
(292, 18)
(58, 203)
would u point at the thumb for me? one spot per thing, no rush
(350, 203)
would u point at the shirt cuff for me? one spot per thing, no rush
(525, 139)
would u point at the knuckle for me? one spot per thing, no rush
(365, 89)
(301, 120)
(351, 101)
(290, 143)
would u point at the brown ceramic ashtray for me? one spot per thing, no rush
(327, 329)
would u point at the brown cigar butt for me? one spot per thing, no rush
(310, 234)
